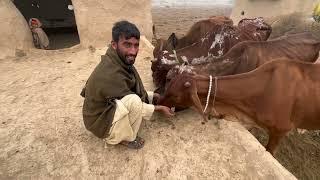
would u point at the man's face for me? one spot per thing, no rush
(127, 49)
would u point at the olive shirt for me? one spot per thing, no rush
(111, 79)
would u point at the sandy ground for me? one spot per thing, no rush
(299, 153)
(179, 20)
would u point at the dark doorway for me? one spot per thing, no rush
(57, 18)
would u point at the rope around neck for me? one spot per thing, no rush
(208, 96)
(209, 93)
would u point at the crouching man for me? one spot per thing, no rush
(115, 99)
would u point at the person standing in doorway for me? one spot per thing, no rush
(40, 38)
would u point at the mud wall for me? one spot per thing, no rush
(95, 18)
(15, 36)
(270, 8)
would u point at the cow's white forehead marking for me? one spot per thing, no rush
(199, 60)
(184, 58)
(165, 52)
(185, 68)
(226, 60)
(164, 60)
(171, 55)
(219, 39)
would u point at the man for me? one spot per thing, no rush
(115, 99)
(40, 38)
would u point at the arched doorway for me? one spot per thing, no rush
(57, 18)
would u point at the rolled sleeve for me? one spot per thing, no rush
(147, 110)
(150, 96)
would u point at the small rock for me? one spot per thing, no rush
(20, 53)
(92, 49)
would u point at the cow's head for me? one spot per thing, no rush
(165, 60)
(158, 48)
(179, 69)
(257, 25)
(165, 45)
(180, 92)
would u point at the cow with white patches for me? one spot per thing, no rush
(248, 55)
(213, 44)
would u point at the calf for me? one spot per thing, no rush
(279, 96)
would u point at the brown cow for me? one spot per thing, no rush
(214, 44)
(279, 96)
(248, 55)
(199, 29)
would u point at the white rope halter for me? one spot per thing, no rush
(209, 93)
(175, 55)
(208, 96)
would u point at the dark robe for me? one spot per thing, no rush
(111, 79)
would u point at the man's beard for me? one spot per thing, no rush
(125, 59)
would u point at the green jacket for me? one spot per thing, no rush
(111, 79)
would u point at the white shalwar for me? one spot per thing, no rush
(129, 113)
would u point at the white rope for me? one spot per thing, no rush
(208, 96)
(215, 94)
(175, 55)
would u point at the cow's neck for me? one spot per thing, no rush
(226, 98)
(234, 87)
(182, 42)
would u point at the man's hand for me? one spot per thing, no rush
(164, 110)
(156, 98)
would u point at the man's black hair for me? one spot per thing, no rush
(125, 29)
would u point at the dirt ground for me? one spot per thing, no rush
(299, 153)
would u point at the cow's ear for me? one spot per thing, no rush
(187, 84)
(173, 40)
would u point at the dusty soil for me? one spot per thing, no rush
(172, 19)
(299, 153)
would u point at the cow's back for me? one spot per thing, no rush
(306, 110)
(201, 28)
(293, 91)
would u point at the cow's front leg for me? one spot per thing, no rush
(274, 139)
(205, 117)
(198, 106)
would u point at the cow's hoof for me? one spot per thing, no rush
(217, 123)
